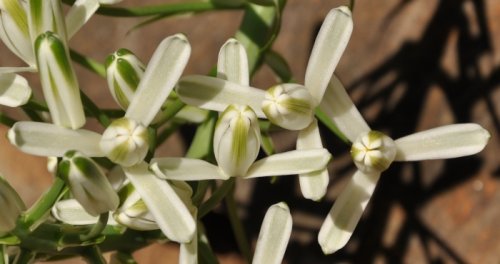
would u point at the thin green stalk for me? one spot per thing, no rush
(4, 257)
(239, 231)
(93, 255)
(113, 113)
(267, 143)
(205, 252)
(170, 111)
(279, 66)
(88, 63)
(94, 110)
(42, 207)
(202, 146)
(97, 228)
(7, 120)
(325, 119)
(201, 190)
(25, 256)
(123, 257)
(216, 197)
(36, 106)
(33, 115)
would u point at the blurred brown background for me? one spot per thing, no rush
(410, 65)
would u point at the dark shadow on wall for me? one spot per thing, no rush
(417, 67)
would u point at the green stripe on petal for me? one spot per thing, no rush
(14, 90)
(59, 81)
(171, 215)
(443, 142)
(346, 212)
(162, 73)
(44, 139)
(15, 36)
(328, 47)
(18, 14)
(274, 235)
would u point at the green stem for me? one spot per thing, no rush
(93, 255)
(123, 257)
(26, 256)
(170, 111)
(94, 110)
(205, 252)
(216, 198)
(33, 115)
(239, 231)
(202, 146)
(88, 63)
(326, 120)
(201, 190)
(36, 106)
(4, 257)
(41, 208)
(97, 228)
(7, 120)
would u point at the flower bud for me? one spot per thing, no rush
(134, 213)
(123, 72)
(373, 152)
(88, 184)
(14, 30)
(11, 205)
(289, 106)
(236, 140)
(125, 142)
(59, 83)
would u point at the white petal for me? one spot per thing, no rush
(185, 169)
(79, 13)
(15, 34)
(51, 140)
(232, 63)
(289, 163)
(171, 215)
(217, 94)
(161, 75)
(314, 184)
(188, 253)
(443, 142)
(274, 235)
(328, 47)
(346, 212)
(71, 212)
(4, 70)
(339, 107)
(14, 90)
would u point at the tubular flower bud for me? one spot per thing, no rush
(88, 184)
(289, 106)
(46, 15)
(11, 205)
(134, 213)
(373, 152)
(125, 142)
(59, 83)
(236, 140)
(123, 72)
(14, 30)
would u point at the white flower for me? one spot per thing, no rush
(373, 152)
(163, 71)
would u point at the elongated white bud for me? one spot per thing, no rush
(11, 205)
(123, 73)
(125, 142)
(14, 30)
(236, 140)
(133, 212)
(88, 184)
(289, 106)
(373, 152)
(59, 83)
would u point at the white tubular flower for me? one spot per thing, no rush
(59, 83)
(373, 152)
(236, 140)
(11, 205)
(274, 235)
(123, 73)
(14, 90)
(71, 212)
(14, 30)
(88, 184)
(125, 142)
(289, 106)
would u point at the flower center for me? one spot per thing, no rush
(373, 151)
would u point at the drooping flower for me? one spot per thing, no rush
(373, 152)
